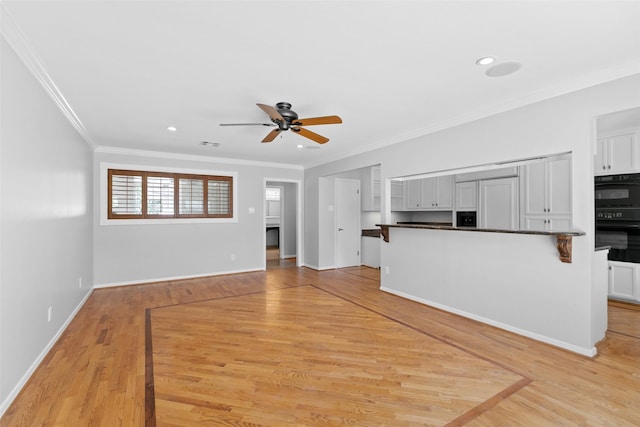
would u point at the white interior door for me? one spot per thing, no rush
(347, 222)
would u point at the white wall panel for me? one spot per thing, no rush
(46, 222)
(132, 253)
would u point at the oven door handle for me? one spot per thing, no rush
(618, 185)
(617, 226)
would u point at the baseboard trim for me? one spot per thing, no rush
(166, 279)
(23, 381)
(592, 352)
(315, 267)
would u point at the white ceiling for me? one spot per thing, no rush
(392, 70)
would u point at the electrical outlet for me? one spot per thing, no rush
(80, 282)
(386, 269)
(49, 313)
(233, 257)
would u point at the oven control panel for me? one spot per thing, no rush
(609, 215)
(619, 214)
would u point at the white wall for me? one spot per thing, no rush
(45, 222)
(127, 254)
(560, 124)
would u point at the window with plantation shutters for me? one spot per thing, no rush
(219, 197)
(148, 195)
(191, 196)
(125, 194)
(160, 195)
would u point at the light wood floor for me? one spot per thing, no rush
(294, 346)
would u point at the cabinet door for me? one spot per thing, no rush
(499, 204)
(621, 153)
(413, 194)
(444, 191)
(467, 196)
(534, 189)
(622, 280)
(562, 223)
(559, 187)
(397, 196)
(429, 193)
(535, 223)
(600, 166)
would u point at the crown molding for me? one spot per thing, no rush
(20, 44)
(193, 157)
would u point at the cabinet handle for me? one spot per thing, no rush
(609, 167)
(609, 268)
(604, 167)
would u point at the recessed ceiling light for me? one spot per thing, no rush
(504, 69)
(485, 60)
(172, 128)
(300, 145)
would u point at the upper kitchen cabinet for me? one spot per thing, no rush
(371, 188)
(397, 196)
(429, 193)
(499, 203)
(617, 153)
(546, 195)
(467, 196)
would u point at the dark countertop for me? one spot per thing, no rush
(443, 224)
(484, 230)
(371, 232)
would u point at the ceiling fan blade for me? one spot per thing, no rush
(272, 112)
(247, 124)
(271, 136)
(311, 135)
(326, 120)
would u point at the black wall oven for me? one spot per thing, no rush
(617, 200)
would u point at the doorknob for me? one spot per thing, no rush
(340, 229)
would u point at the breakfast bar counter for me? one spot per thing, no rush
(564, 239)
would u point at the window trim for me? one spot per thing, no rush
(105, 202)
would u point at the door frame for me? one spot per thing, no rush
(299, 218)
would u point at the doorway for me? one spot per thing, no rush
(282, 219)
(347, 199)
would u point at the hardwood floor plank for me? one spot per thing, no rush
(95, 373)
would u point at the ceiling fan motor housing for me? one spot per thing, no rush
(284, 108)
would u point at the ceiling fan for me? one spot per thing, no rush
(285, 118)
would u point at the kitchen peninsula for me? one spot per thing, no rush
(563, 242)
(510, 279)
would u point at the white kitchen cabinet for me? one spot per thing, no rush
(413, 194)
(397, 196)
(623, 281)
(430, 193)
(617, 154)
(498, 204)
(371, 251)
(546, 195)
(467, 196)
(371, 189)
